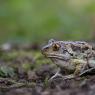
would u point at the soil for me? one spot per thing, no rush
(25, 71)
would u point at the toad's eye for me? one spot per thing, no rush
(56, 47)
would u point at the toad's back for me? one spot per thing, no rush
(78, 47)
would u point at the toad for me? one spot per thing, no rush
(74, 57)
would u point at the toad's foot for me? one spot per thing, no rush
(69, 77)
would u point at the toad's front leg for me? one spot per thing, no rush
(64, 77)
(57, 74)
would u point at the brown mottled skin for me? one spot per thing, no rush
(73, 56)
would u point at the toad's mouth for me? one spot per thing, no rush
(58, 56)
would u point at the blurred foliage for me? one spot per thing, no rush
(40, 20)
(6, 71)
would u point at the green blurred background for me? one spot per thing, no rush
(40, 20)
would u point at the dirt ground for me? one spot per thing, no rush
(25, 71)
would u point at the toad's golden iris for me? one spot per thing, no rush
(56, 47)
